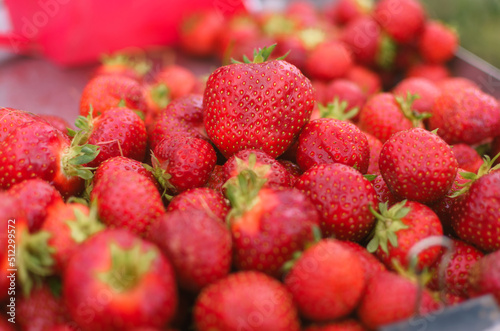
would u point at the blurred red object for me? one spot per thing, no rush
(73, 32)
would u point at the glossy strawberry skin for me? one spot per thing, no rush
(236, 299)
(119, 163)
(403, 20)
(418, 165)
(427, 91)
(250, 106)
(331, 288)
(11, 119)
(467, 157)
(438, 43)
(328, 184)
(326, 140)
(203, 198)
(484, 276)
(383, 192)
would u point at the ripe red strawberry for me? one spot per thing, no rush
(438, 42)
(345, 11)
(181, 163)
(456, 83)
(418, 165)
(329, 60)
(241, 105)
(199, 31)
(326, 140)
(365, 39)
(392, 298)
(345, 90)
(240, 27)
(127, 200)
(34, 197)
(11, 119)
(208, 200)
(296, 46)
(330, 289)
(399, 228)
(119, 163)
(343, 198)
(117, 132)
(56, 159)
(345, 325)
(5, 325)
(432, 72)
(384, 114)
(293, 169)
(123, 273)
(176, 80)
(375, 146)
(371, 265)
(261, 163)
(216, 179)
(108, 91)
(456, 271)
(383, 193)
(246, 301)
(467, 157)
(57, 122)
(465, 116)
(367, 79)
(403, 20)
(426, 90)
(123, 65)
(197, 243)
(484, 276)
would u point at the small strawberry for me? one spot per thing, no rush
(123, 65)
(424, 88)
(375, 146)
(392, 298)
(465, 116)
(364, 37)
(432, 72)
(123, 273)
(399, 228)
(326, 140)
(342, 197)
(329, 60)
(438, 42)
(367, 79)
(345, 11)
(127, 200)
(247, 301)
(484, 276)
(261, 105)
(119, 163)
(345, 90)
(208, 200)
(199, 31)
(383, 193)
(326, 281)
(418, 165)
(197, 243)
(345, 325)
(467, 157)
(176, 80)
(403, 20)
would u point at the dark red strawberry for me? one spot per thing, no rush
(364, 37)
(392, 298)
(197, 243)
(216, 179)
(346, 325)
(343, 198)
(123, 273)
(403, 20)
(345, 90)
(329, 60)
(109, 91)
(205, 199)
(261, 163)
(425, 89)
(465, 116)
(467, 157)
(248, 301)
(326, 140)
(367, 79)
(432, 72)
(293, 169)
(199, 31)
(181, 163)
(34, 197)
(241, 105)
(330, 289)
(375, 146)
(484, 276)
(399, 228)
(383, 193)
(438, 42)
(418, 165)
(452, 277)
(120, 163)
(127, 200)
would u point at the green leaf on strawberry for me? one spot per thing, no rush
(486, 168)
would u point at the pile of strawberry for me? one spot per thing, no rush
(254, 200)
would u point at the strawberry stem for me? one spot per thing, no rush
(83, 226)
(337, 110)
(161, 175)
(406, 106)
(388, 223)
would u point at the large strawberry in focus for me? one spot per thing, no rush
(261, 105)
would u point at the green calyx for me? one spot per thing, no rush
(261, 55)
(365, 5)
(337, 110)
(387, 52)
(316, 237)
(279, 25)
(139, 65)
(128, 266)
(311, 37)
(160, 94)
(161, 175)
(83, 226)
(471, 177)
(388, 223)
(406, 106)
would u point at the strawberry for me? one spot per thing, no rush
(117, 132)
(293, 169)
(465, 116)
(438, 42)
(345, 90)
(424, 88)
(11, 119)
(109, 91)
(181, 163)
(34, 197)
(177, 81)
(296, 47)
(345, 11)
(467, 157)
(343, 198)
(199, 31)
(365, 78)
(484, 276)
(246, 301)
(371, 265)
(326, 281)
(57, 122)
(119, 163)
(418, 165)
(399, 228)
(432, 72)
(122, 272)
(208, 200)
(326, 140)
(345, 325)
(403, 20)
(216, 179)
(6, 325)
(392, 298)
(127, 200)
(56, 159)
(261, 163)
(241, 105)
(236, 29)
(456, 83)
(329, 60)
(364, 37)
(123, 65)
(197, 243)
(383, 193)
(452, 277)
(375, 146)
